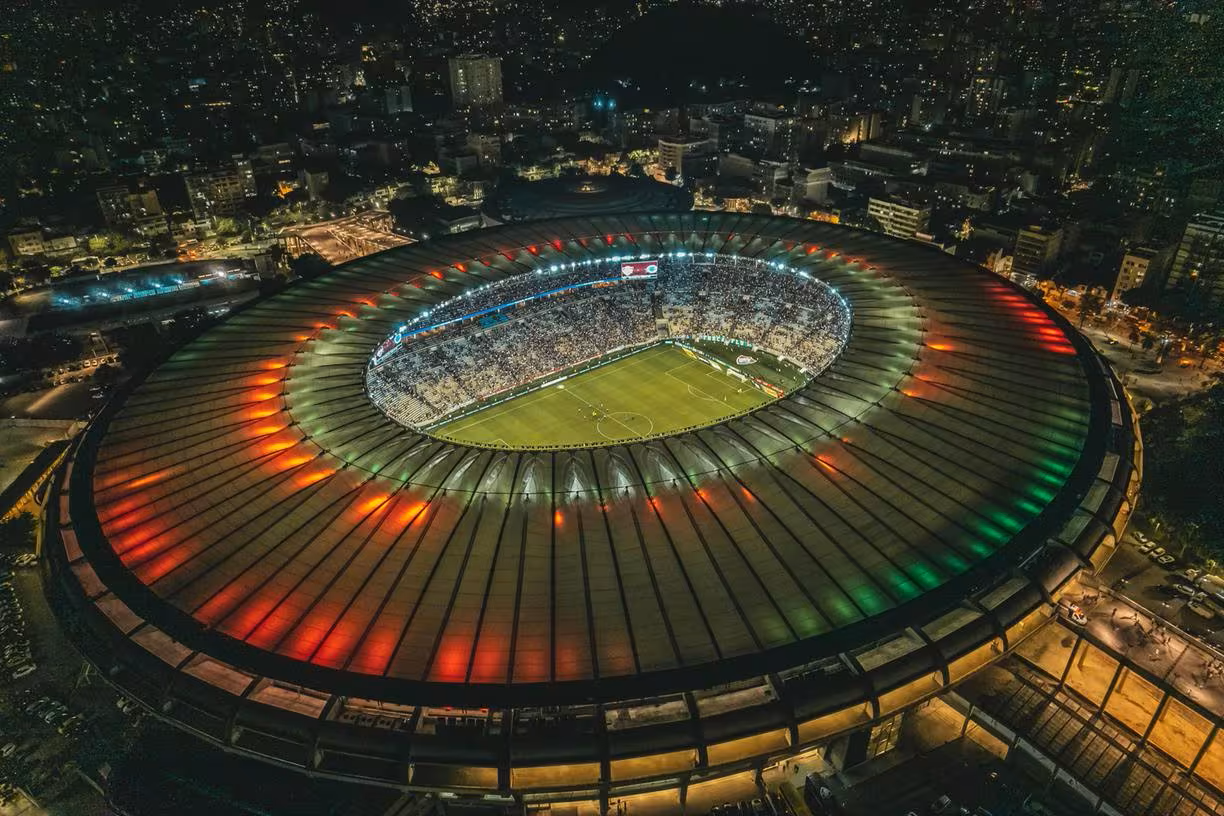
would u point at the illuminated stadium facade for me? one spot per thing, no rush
(256, 552)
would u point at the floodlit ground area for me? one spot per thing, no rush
(657, 391)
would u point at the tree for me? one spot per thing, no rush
(1090, 304)
(1183, 480)
(309, 265)
(227, 226)
(17, 533)
(38, 351)
(1208, 338)
(105, 374)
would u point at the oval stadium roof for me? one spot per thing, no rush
(250, 501)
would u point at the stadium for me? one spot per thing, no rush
(629, 508)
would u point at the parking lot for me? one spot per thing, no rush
(50, 722)
(1193, 604)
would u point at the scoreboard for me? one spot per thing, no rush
(639, 269)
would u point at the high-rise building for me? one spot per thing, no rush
(1198, 264)
(899, 217)
(223, 191)
(1121, 85)
(397, 99)
(812, 184)
(673, 152)
(770, 132)
(1138, 266)
(1038, 248)
(985, 93)
(487, 147)
(475, 81)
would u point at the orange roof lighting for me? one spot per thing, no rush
(412, 512)
(373, 503)
(307, 479)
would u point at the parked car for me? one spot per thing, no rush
(1202, 610)
(1077, 615)
(27, 669)
(1140, 537)
(1156, 552)
(1146, 547)
(1165, 560)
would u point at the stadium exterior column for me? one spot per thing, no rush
(1066, 671)
(935, 650)
(1113, 683)
(869, 689)
(1215, 730)
(996, 624)
(792, 722)
(605, 761)
(703, 757)
(503, 751)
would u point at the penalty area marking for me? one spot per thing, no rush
(694, 390)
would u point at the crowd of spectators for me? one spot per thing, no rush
(793, 316)
(484, 351)
(472, 361)
(508, 291)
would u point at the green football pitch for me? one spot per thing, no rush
(653, 392)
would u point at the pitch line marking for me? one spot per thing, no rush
(611, 417)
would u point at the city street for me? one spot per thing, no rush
(1135, 367)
